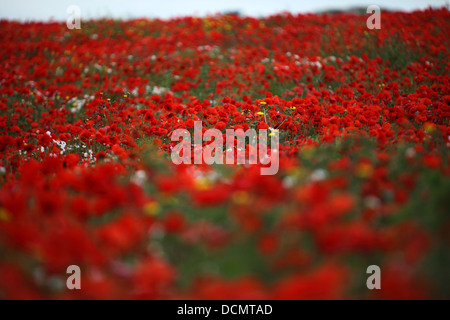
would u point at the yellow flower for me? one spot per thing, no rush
(263, 103)
(307, 151)
(241, 197)
(429, 127)
(273, 131)
(4, 215)
(202, 184)
(364, 170)
(151, 208)
(260, 113)
(296, 172)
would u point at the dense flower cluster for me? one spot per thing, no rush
(86, 177)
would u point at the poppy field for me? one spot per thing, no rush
(86, 176)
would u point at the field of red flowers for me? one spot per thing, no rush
(86, 177)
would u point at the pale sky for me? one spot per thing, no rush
(43, 10)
